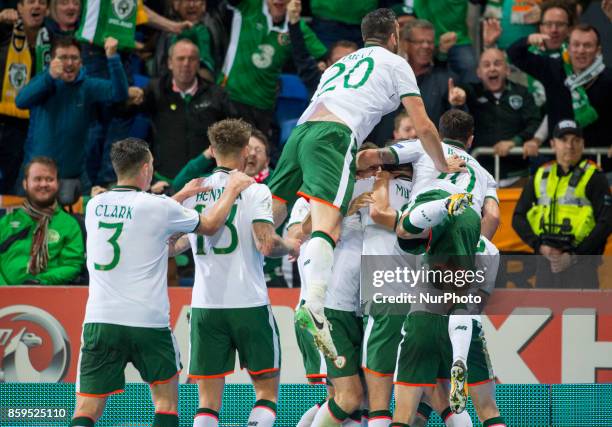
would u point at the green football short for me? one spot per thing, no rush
(347, 333)
(106, 349)
(381, 339)
(455, 239)
(426, 352)
(314, 362)
(217, 333)
(317, 162)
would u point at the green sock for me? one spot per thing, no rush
(165, 420)
(336, 410)
(82, 422)
(494, 422)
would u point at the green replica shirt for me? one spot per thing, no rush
(257, 51)
(346, 11)
(66, 251)
(445, 15)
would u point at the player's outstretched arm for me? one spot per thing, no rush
(214, 219)
(426, 131)
(380, 211)
(271, 244)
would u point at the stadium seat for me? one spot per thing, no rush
(292, 99)
(286, 127)
(291, 103)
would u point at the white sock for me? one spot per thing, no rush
(379, 422)
(352, 423)
(262, 416)
(428, 215)
(324, 418)
(308, 417)
(205, 420)
(460, 333)
(459, 420)
(318, 263)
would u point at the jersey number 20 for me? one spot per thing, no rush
(364, 65)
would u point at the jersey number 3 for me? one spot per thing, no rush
(118, 227)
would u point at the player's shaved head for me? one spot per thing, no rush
(378, 25)
(457, 125)
(228, 137)
(128, 156)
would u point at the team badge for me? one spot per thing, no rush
(123, 8)
(283, 39)
(18, 74)
(53, 236)
(515, 101)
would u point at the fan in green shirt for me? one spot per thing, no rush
(259, 48)
(40, 243)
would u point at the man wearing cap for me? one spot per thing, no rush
(565, 211)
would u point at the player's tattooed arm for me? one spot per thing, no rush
(178, 244)
(271, 244)
(380, 211)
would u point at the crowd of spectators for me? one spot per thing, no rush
(76, 77)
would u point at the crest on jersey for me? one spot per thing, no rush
(18, 74)
(123, 8)
(283, 39)
(53, 236)
(515, 101)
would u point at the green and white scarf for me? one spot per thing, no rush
(584, 113)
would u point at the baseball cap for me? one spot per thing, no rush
(566, 126)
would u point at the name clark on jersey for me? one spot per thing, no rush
(114, 211)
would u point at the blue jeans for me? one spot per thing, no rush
(462, 61)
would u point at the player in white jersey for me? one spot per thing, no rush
(230, 305)
(127, 313)
(382, 333)
(343, 311)
(318, 160)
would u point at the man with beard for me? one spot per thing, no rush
(504, 112)
(40, 243)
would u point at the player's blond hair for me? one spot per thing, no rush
(229, 136)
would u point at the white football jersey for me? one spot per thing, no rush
(343, 290)
(228, 266)
(487, 260)
(362, 87)
(127, 256)
(379, 240)
(425, 176)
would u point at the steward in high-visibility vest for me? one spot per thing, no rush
(566, 210)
